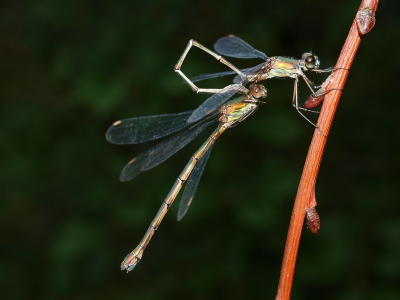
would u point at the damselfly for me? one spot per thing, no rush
(277, 66)
(143, 129)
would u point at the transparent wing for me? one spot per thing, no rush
(220, 74)
(214, 102)
(164, 150)
(192, 184)
(233, 46)
(143, 129)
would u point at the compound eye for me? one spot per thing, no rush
(310, 62)
(258, 90)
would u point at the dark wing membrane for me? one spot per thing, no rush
(162, 151)
(233, 46)
(143, 129)
(214, 102)
(212, 75)
(220, 74)
(192, 184)
(254, 71)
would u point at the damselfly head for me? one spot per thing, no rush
(311, 62)
(258, 90)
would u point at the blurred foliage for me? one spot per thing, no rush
(69, 69)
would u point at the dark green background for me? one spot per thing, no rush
(69, 69)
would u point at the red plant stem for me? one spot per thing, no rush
(305, 193)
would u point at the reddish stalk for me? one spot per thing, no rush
(305, 198)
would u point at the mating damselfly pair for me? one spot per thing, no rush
(188, 125)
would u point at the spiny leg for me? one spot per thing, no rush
(331, 69)
(310, 84)
(315, 100)
(323, 93)
(133, 258)
(221, 59)
(295, 104)
(314, 94)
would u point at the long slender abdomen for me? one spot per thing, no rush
(135, 256)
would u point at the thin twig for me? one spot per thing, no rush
(305, 198)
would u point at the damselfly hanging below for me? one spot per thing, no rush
(143, 129)
(277, 66)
